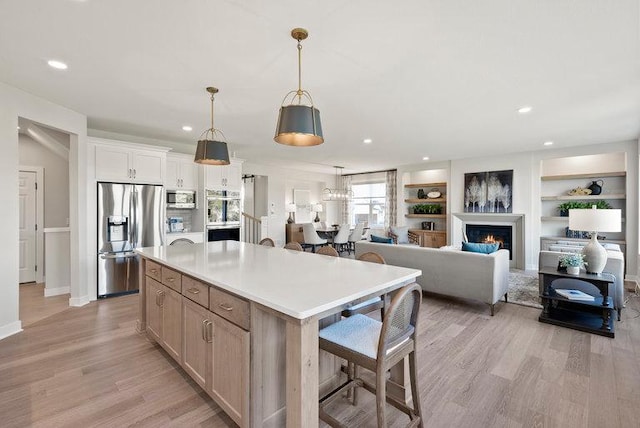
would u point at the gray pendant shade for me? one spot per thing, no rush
(211, 152)
(299, 125)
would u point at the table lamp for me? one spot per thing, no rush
(317, 208)
(594, 221)
(290, 208)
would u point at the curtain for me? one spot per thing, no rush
(345, 204)
(391, 200)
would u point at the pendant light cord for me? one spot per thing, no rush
(212, 128)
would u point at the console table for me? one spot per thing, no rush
(590, 316)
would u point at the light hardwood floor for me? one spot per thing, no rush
(88, 367)
(35, 307)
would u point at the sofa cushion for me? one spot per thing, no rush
(381, 240)
(475, 247)
(402, 232)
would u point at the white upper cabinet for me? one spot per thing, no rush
(228, 177)
(131, 163)
(182, 172)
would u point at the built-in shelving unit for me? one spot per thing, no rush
(436, 235)
(555, 188)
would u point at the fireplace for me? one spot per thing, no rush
(490, 233)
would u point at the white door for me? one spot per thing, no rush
(27, 225)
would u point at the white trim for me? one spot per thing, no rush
(79, 301)
(48, 292)
(10, 329)
(57, 230)
(39, 171)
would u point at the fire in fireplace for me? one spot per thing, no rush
(489, 233)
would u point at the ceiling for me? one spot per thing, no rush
(442, 79)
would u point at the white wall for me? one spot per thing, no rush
(56, 179)
(526, 190)
(15, 103)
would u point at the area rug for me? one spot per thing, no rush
(523, 288)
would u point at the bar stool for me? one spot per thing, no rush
(293, 246)
(267, 242)
(377, 346)
(328, 251)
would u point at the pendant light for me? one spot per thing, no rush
(211, 151)
(336, 194)
(299, 124)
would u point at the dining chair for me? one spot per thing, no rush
(377, 346)
(267, 242)
(341, 240)
(293, 246)
(311, 238)
(355, 236)
(328, 251)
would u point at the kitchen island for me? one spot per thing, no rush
(242, 320)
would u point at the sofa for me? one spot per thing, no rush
(483, 277)
(614, 266)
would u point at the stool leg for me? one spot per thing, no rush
(381, 395)
(415, 395)
(356, 375)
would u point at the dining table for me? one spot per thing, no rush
(290, 295)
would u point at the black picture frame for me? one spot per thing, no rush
(488, 192)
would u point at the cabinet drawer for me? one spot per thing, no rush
(172, 279)
(229, 307)
(196, 291)
(153, 270)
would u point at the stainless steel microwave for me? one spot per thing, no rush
(185, 199)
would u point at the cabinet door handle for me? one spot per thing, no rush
(162, 294)
(153, 271)
(209, 328)
(134, 173)
(157, 297)
(226, 307)
(171, 279)
(204, 329)
(193, 290)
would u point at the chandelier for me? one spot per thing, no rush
(299, 124)
(336, 194)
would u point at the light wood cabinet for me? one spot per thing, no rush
(293, 233)
(229, 365)
(196, 341)
(182, 172)
(120, 162)
(432, 239)
(213, 350)
(164, 315)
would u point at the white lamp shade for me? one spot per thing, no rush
(594, 220)
(317, 208)
(291, 208)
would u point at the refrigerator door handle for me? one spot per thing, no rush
(134, 218)
(117, 255)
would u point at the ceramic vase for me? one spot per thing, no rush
(573, 270)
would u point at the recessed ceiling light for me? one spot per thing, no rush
(548, 143)
(187, 128)
(18, 128)
(425, 158)
(525, 109)
(57, 64)
(367, 141)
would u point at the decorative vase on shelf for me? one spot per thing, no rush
(420, 194)
(573, 270)
(596, 187)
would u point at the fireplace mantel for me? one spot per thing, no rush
(515, 220)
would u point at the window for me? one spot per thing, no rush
(368, 204)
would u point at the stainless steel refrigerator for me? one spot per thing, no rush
(130, 216)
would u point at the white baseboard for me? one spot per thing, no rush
(48, 292)
(79, 301)
(10, 329)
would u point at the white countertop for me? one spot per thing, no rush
(298, 284)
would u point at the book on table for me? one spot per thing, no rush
(575, 295)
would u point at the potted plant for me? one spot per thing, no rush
(573, 262)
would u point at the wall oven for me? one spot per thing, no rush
(223, 208)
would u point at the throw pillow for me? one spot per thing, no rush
(402, 233)
(476, 247)
(381, 240)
